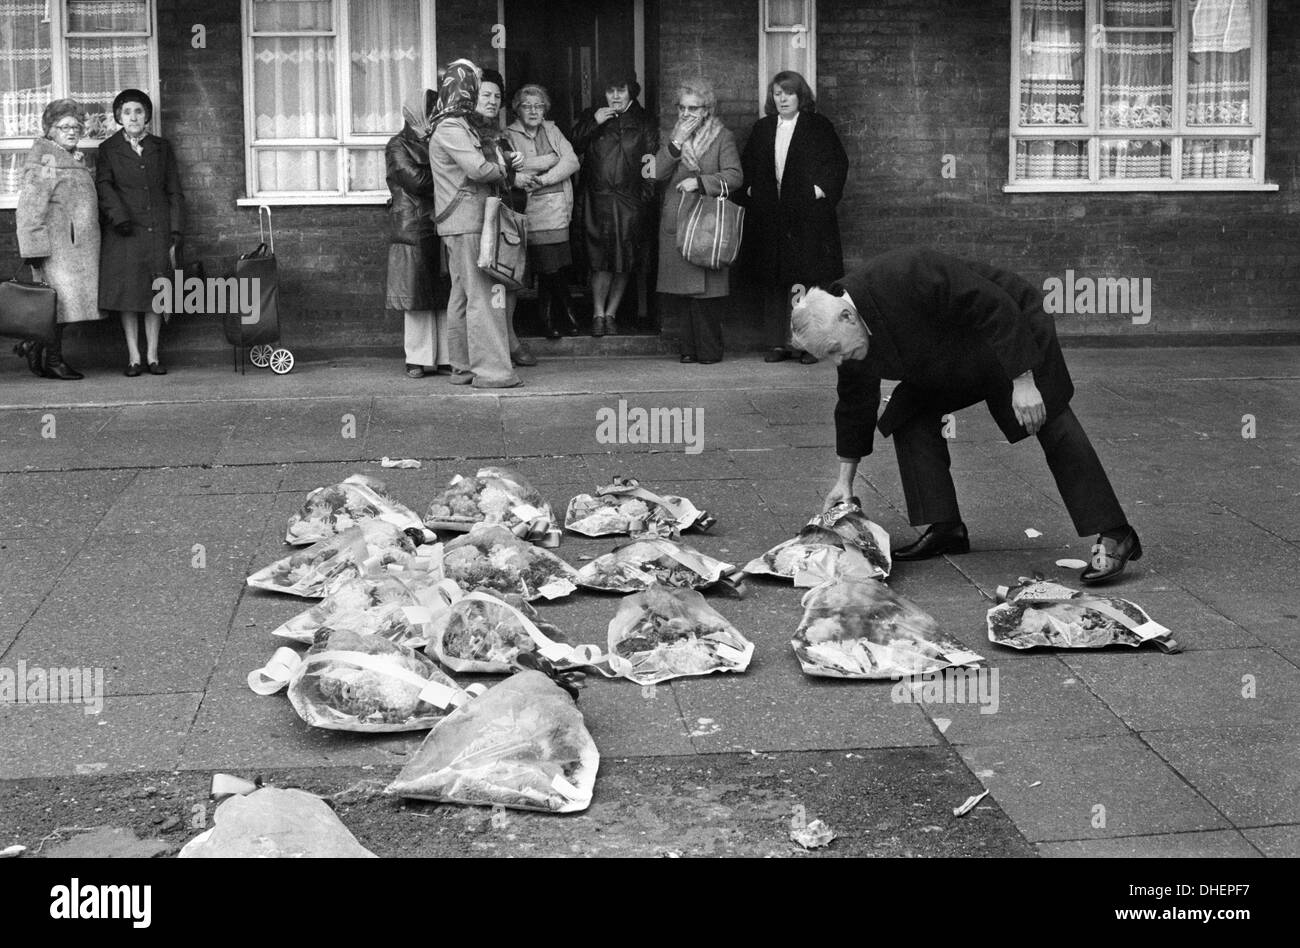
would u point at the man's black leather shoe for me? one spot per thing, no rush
(1110, 560)
(936, 541)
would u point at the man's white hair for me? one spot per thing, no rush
(815, 322)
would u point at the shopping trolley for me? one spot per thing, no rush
(259, 332)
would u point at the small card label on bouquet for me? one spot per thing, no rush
(728, 653)
(565, 789)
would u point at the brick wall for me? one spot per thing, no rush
(905, 84)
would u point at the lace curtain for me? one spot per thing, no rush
(1051, 62)
(295, 87)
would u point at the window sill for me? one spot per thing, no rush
(302, 200)
(1086, 187)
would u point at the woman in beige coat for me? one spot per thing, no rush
(700, 155)
(549, 166)
(58, 229)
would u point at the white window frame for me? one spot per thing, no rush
(345, 139)
(1091, 132)
(808, 27)
(56, 12)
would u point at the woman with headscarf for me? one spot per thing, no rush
(415, 286)
(464, 177)
(614, 141)
(143, 210)
(795, 168)
(58, 230)
(549, 166)
(700, 156)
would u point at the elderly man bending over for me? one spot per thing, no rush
(955, 333)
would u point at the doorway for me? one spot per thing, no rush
(568, 46)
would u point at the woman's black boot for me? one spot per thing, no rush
(55, 367)
(545, 306)
(560, 305)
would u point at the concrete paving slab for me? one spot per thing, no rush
(1276, 842)
(1088, 788)
(668, 470)
(49, 438)
(626, 720)
(989, 569)
(191, 480)
(1195, 625)
(132, 732)
(434, 427)
(1217, 844)
(1026, 701)
(194, 516)
(1281, 633)
(153, 621)
(31, 569)
(1252, 774)
(167, 434)
(774, 463)
(59, 503)
(242, 731)
(773, 706)
(300, 431)
(1153, 691)
(794, 408)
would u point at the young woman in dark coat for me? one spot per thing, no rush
(615, 194)
(794, 169)
(143, 213)
(415, 285)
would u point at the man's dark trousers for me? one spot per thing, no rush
(923, 466)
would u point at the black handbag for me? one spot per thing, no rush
(28, 310)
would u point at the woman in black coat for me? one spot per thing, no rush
(794, 169)
(415, 286)
(143, 211)
(615, 194)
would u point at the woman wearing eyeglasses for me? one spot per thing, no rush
(700, 156)
(58, 230)
(143, 209)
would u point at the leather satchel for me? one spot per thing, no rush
(502, 251)
(28, 310)
(709, 229)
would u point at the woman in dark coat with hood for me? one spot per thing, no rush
(795, 169)
(143, 211)
(415, 285)
(614, 141)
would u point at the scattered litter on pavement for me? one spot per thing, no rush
(226, 785)
(942, 724)
(853, 757)
(274, 823)
(409, 463)
(813, 836)
(969, 804)
(1034, 534)
(1071, 564)
(9, 852)
(95, 768)
(1036, 783)
(706, 726)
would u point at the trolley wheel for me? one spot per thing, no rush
(260, 356)
(281, 361)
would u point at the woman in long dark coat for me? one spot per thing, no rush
(143, 210)
(795, 169)
(415, 286)
(614, 141)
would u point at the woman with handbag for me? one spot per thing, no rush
(464, 176)
(498, 146)
(699, 158)
(614, 141)
(795, 168)
(58, 230)
(143, 209)
(415, 287)
(546, 176)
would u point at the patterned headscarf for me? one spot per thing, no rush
(457, 92)
(418, 112)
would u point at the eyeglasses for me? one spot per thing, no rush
(70, 127)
